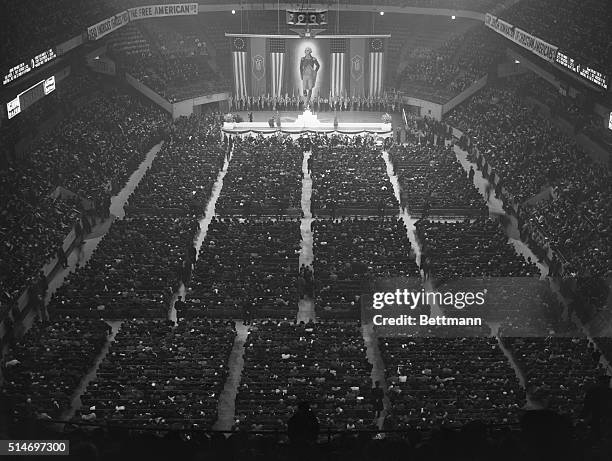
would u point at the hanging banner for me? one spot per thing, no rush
(535, 45)
(99, 30)
(159, 11)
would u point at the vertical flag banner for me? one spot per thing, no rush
(277, 65)
(357, 56)
(239, 57)
(338, 66)
(376, 64)
(258, 67)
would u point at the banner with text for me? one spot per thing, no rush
(158, 11)
(520, 37)
(99, 30)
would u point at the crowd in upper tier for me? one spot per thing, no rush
(439, 74)
(69, 171)
(528, 154)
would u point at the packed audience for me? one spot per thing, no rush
(90, 154)
(322, 363)
(264, 177)
(431, 178)
(558, 370)
(470, 248)
(526, 156)
(436, 381)
(447, 71)
(160, 375)
(184, 171)
(349, 176)
(578, 27)
(350, 253)
(247, 267)
(42, 371)
(134, 270)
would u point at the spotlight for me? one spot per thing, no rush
(382, 13)
(516, 61)
(453, 16)
(233, 11)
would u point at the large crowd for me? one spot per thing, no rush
(43, 370)
(470, 248)
(159, 374)
(71, 169)
(445, 72)
(350, 254)
(264, 177)
(431, 178)
(247, 267)
(528, 153)
(435, 381)
(322, 363)
(349, 175)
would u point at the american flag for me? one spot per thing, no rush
(277, 61)
(338, 66)
(239, 55)
(376, 67)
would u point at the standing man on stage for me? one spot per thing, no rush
(309, 66)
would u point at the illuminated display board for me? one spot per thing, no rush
(24, 67)
(28, 97)
(585, 72)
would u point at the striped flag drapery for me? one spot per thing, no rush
(376, 67)
(277, 63)
(239, 57)
(338, 66)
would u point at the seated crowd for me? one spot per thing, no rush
(43, 369)
(321, 363)
(469, 249)
(349, 176)
(443, 73)
(263, 177)
(435, 381)
(527, 156)
(247, 267)
(90, 154)
(134, 270)
(185, 169)
(578, 27)
(560, 370)
(350, 253)
(431, 178)
(158, 374)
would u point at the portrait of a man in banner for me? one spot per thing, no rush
(309, 66)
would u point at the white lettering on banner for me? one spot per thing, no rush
(503, 27)
(105, 27)
(536, 45)
(156, 11)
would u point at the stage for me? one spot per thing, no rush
(350, 123)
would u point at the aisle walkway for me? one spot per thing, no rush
(306, 307)
(81, 255)
(199, 239)
(75, 401)
(227, 399)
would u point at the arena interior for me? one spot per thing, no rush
(214, 217)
